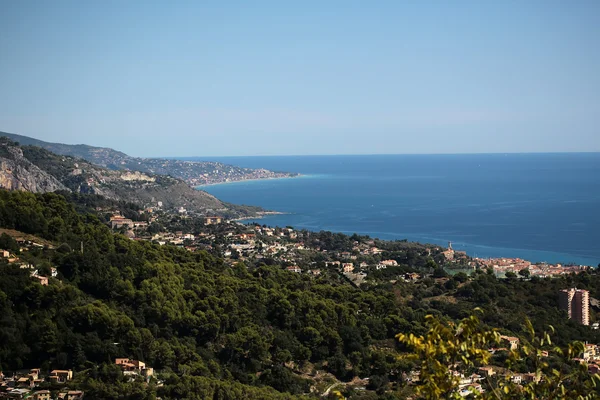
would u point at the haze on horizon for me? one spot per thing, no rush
(339, 77)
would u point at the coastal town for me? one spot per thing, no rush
(239, 242)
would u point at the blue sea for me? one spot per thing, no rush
(540, 207)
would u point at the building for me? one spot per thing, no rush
(118, 221)
(513, 342)
(42, 395)
(135, 367)
(348, 267)
(576, 302)
(71, 395)
(294, 268)
(212, 220)
(60, 376)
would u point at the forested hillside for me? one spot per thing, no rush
(213, 331)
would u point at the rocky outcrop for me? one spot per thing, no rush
(18, 173)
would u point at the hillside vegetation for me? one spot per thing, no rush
(214, 331)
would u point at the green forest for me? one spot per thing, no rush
(220, 332)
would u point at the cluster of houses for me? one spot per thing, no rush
(503, 265)
(285, 245)
(33, 271)
(29, 384)
(133, 368)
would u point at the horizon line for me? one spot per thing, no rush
(315, 155)
(383, 154)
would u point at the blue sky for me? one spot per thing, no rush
(313, 77)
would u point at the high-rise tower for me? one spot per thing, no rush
(576, 302)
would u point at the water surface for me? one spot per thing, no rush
(542, 207)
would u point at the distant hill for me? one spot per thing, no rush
(38, 170)
(194, 173)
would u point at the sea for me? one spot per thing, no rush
(538, 207)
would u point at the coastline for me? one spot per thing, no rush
(474, 250)
(261, 215)
(249, 180)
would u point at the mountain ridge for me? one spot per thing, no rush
(194, 173)
(38, 170)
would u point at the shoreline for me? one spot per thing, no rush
(248, 180)
(473, 250)
(261, 215)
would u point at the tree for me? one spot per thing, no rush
(461, 277)
(448, 349)
(439, 272)
(525, 273)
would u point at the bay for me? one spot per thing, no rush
(540, 207)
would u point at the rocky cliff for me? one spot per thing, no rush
(18, 173)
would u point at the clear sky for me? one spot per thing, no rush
(200, 78)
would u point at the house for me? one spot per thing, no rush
(60, 376)
(34, 373)
(348, 267)
(212, 220)
(5, 253)
(127, 364)
(590, 352)
(134, 367)
(512, 341)
(118, 221)
(412, 276)
(390, 263)
(24, 382)
(294, 268)
(316, 272)
(375, 250)
(71, 395)
(41, 395)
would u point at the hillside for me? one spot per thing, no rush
(194, 173)
(209, 330)
(37, 170)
